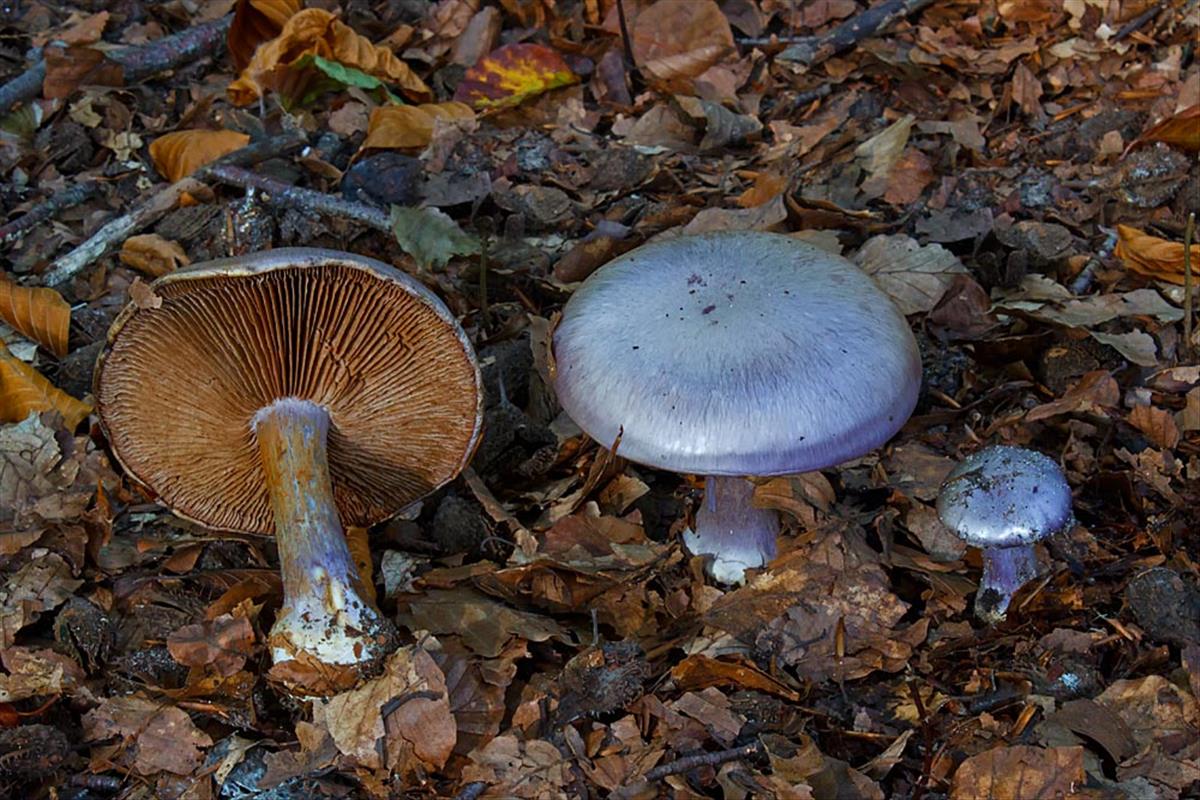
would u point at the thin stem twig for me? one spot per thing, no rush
(65, 198)
(877, 18)
(285, 194)
(138, 63)
(1188, 234)
(702, 760)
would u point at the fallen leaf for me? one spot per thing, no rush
(485, 625)
(24, 390)
(282, 65)
(153, 255)
(78, 29)
(510, 75)
(915, 277)
(430, 236)
(142, 295)
(224, 642)
(255, 22)
(675, 41)
(532, 768)
(881, 152)
(411, 127)
(33, 672)
(1156, 710)
(1021, 771)
(1157, 423)
(69, 67)
(156, 736)
(408, 704)
(42, 584)
(908, 178)
(1181, 130)
(179, 154)
(1153, 257)
(1095, 392)
(38, 313)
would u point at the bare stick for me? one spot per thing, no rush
(139, 63)
(118, 230)
(627, 41)
(71, 196)
(285, 194)
(815, 49)
(702, 760)
(471, 791)
(1188, 233)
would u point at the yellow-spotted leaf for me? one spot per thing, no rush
(38, 314)
(1153, 257)
(23, 389)
(512, 74)
(285, 64)
(179, 154)
(410, 127)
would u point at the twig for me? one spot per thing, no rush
(815, 49)
(471, 791)
(702, 760)
(138, 63)
(65, 198)
(285, 194)
(635, 74)
(1188, 234)
(1138, 21)
(118, 230)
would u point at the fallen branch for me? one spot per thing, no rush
(118, 230)
(65, 198)
(138, 63)
(810, 50)
(287, 195)
(702, 760)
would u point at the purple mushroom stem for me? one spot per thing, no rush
(729, 528)
(1005, 569)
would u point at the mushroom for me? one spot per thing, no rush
(735, 354)
(292, 392)
(1002, 500)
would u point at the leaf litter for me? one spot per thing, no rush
(1016, 176)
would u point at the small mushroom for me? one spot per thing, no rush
(1002, 500)
(292, 392)
(735, 354)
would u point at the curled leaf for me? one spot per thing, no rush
(1153, 257)
(512, 74)
(255, 22)
(1181, 130)
(674, 42)
(284, 64)
(179, 154)
(152, 254)
(410, 127)
(23, 390)
(38, 314)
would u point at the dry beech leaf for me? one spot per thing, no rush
(155, 737)
(179, 154)
(224, 642)
(69, 67)
(24, 390)
(410, 127)
(255, 22)
(142, 295)
(1020, 771)
(1181, 130)
(1153, 257)
(1157, 423)
(316, 32)
(153, 255)
(674, 42)
(38, 314)
(512, 74)
(79, 29)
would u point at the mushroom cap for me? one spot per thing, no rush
(1004, 496)
(178, 385)
(735, 353)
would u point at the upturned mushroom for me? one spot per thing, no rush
(735, 354)
(1003, 500)
(292, 392)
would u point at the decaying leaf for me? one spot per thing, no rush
(674, 42)
(1154, 257)
(154, 735)
(179, 154)
(255, 22)
(515, 768)
(485, 625)
(34, 671)
(915, 277)
(24, 390)
(1020, 771)
(41, 585)
(224, 642)
(411, 127)
(407, 707)
(37, 313)
(153, 255)
(283, 65)
(512, 74)
(1181, 130)
(430, 236)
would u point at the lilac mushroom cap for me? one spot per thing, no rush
(1004, 499)
(733, 354)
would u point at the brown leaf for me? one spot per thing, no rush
(79, 29)
(33, 672)
(510, 75)
(142, 295)
(1157, 423)
(485, 625)
(1020, 772)
(527, 769)
(157, 737)
(153, 255)
(700, 671)
(411, 127)
(908, 178)
(1155, 710)
(24, 390)
(317, 32)
(1095, 392)
(419, 727)
(1181, 130)
(37, 313)
(674, 42)
(1154, 257)
(255, 22)
(224, 642)
(767, 186)
(41, 585)
(914, 276)
(69, 67)
(179, 154)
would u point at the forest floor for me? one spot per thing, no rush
(1016, 175)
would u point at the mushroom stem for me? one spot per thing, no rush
(729, 528)
(1005, 569)
(326, 612)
